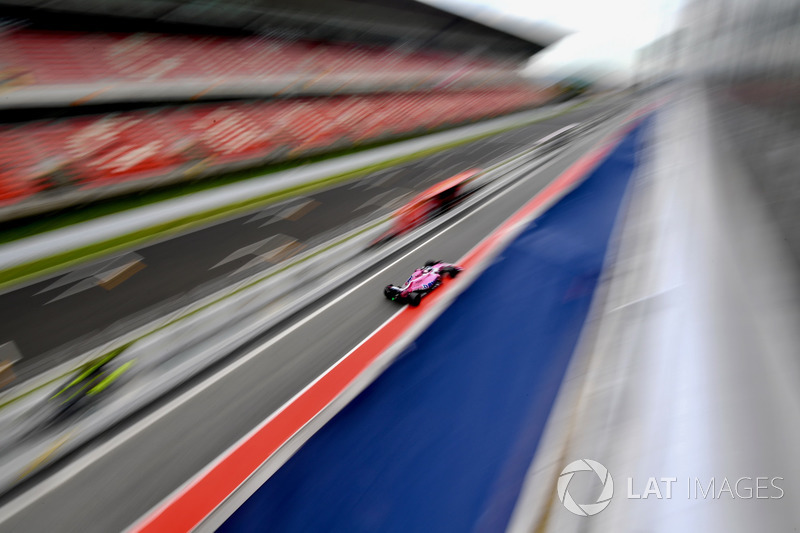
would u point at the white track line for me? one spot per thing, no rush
(71, 470)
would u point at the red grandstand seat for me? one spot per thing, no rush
(106, 149)
(56, 58)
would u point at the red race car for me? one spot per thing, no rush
(431, 202)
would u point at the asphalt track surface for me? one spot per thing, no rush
(74, 311)
(110, 485)
(466, 404)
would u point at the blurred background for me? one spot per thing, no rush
(172, 91)
(182, 180)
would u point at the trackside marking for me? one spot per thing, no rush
(191, 505)
(70, 471)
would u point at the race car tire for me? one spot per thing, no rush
(414, 299)
(389, 292)
(430, 263)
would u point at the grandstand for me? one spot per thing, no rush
(176, 90)
(78, 68)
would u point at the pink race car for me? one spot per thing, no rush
(421, 282)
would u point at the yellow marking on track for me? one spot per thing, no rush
(289, 250)
(302, 211)
(282, 252)
(36, 463)
(120, 275)
(6, 373)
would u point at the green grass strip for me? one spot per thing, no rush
(68, 258)
(47, 265)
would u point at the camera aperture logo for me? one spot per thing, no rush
(585, 509)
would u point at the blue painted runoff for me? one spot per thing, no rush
(441, 441)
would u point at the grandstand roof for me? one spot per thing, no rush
(394, 22)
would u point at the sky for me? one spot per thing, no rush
(604, 33)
